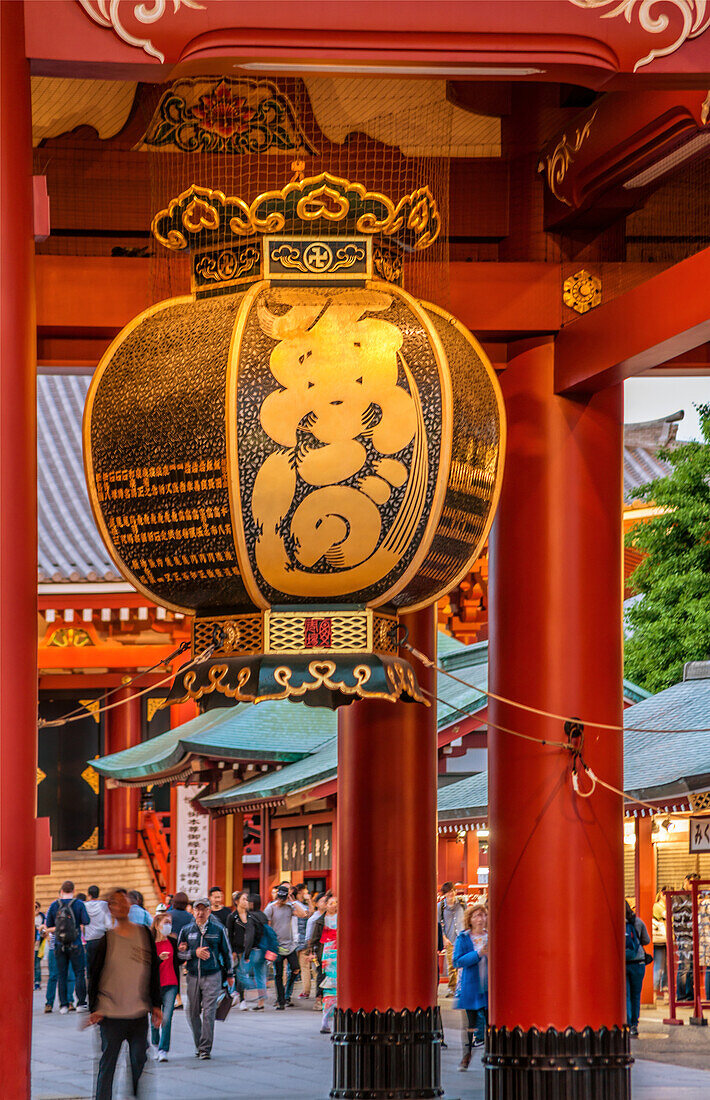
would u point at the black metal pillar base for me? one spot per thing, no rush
(387, 1055)
(558, 1065)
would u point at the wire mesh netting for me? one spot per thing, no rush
(303, 149)
(258, 132)
(244, 136)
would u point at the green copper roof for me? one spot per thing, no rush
(317, 768)
(274, 732)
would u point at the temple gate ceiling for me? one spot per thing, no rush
(60, 104)
(386, 110)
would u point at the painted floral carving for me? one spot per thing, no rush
(690, 18)
(225, 115)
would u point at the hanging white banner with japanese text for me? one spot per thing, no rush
(193, 847)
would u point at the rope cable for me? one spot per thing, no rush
(81, 710)
(567, 746)
(77, 717)
(428, 663)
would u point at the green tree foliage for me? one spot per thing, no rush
(671, 623)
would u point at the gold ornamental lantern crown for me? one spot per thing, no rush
(299, 449)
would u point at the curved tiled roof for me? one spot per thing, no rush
(70, 548)
(642, 443)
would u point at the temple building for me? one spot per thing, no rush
(477, 220)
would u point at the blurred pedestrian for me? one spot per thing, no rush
(138, 913)
(245, 929)
(302, 896)
(325, 934)
(280, 914)
(124, 986)
(40, 937)
(169, 974)
(636, 938)
(179, 915)
(65, 919)
(450, 914)
(204, 945)
(320, 901)
(470, 956)
(53, 976)
(99, 922)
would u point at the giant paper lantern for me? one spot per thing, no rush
(299, 449)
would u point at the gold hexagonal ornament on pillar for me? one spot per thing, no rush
(582, 291)
(299, 449)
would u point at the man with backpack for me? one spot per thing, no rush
(65, 919)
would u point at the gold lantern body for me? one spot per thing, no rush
(296, 451)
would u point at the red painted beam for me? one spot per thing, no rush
(119, 656)
(656, 321)
(76, 294)
(95, 296)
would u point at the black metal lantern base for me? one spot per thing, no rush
(558, 1065)
(387, 1055)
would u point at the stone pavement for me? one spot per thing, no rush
(265, 1056)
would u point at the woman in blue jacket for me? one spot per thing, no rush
(471, 960)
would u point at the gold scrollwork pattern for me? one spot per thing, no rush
(414, 220)
(691, 17)
(285, 682)
(226, 266)
(289, 256)
(107, 13)
(387, 265)
(556, 163)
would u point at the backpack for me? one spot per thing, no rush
(268, 939)
(632, 942)
(65, 929)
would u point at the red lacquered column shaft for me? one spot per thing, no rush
(556, 644)
(18, 552)
(387, 846)
(123, 730)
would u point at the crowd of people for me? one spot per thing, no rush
(107, 957)
(463, 944)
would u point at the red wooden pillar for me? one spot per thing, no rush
(387, 775)
(556, 573)
(334, 853)
(123, 730)
(645, 877)
(18, 547)
(471, 876)
(179, 713)
(265, 867)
